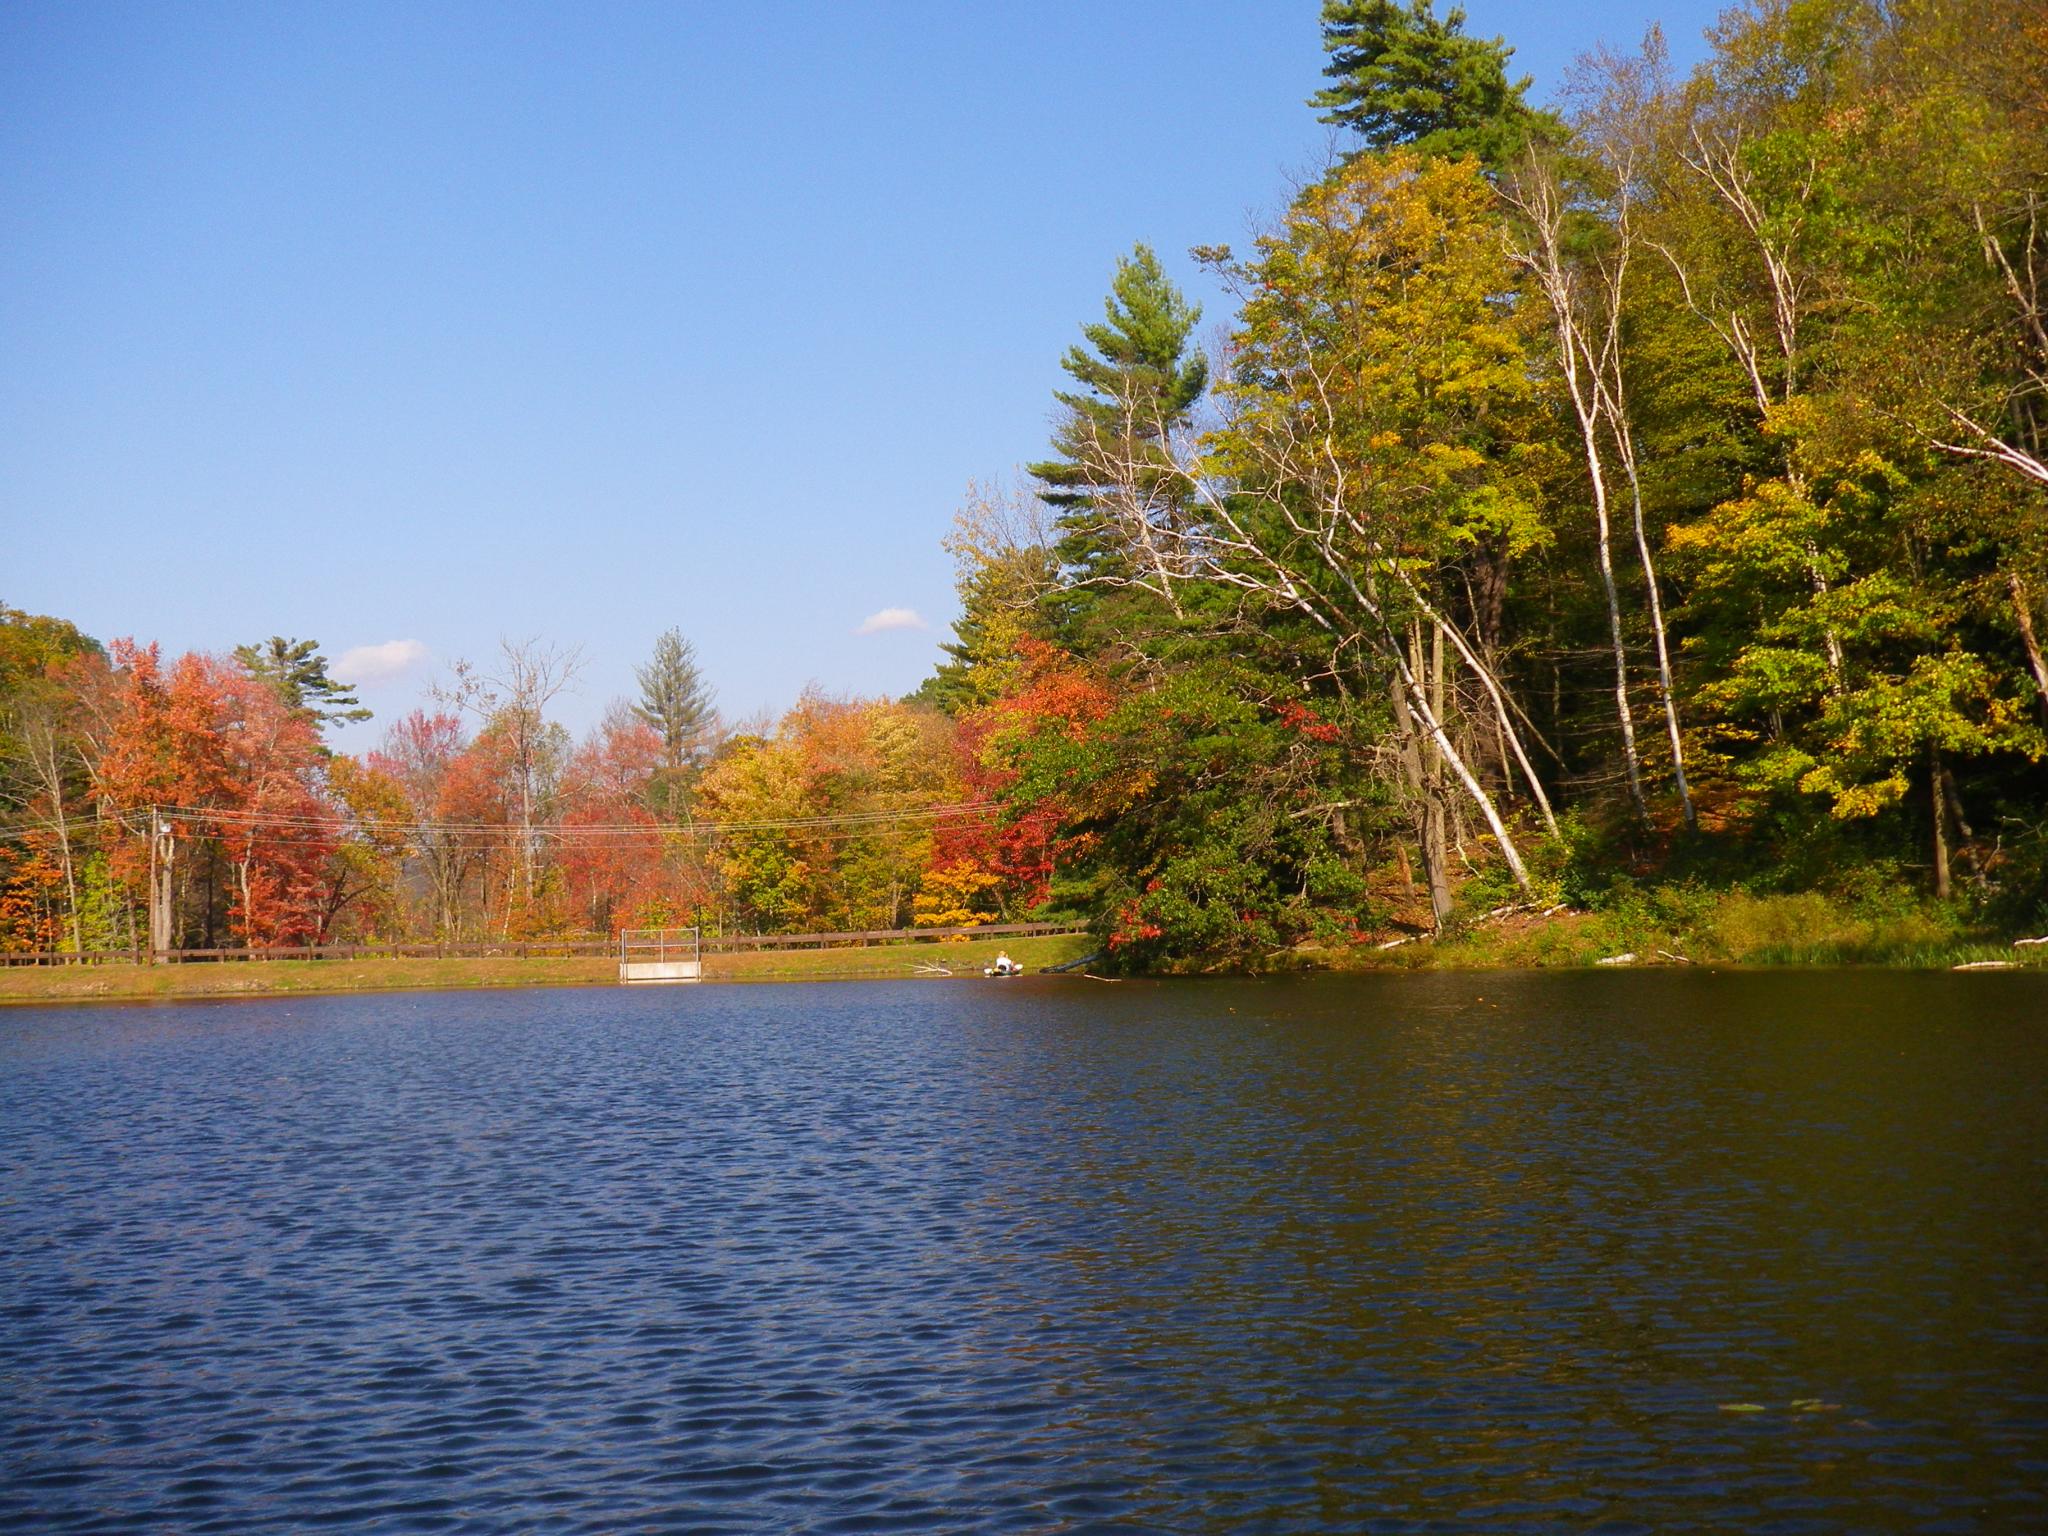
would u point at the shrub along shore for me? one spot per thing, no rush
(1683, 925)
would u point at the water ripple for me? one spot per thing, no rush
(1555, 1253)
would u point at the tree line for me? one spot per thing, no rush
(197, 802)
(1649, 488)
(1653, 488)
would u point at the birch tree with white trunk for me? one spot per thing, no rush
(1584, 285)
(1356, 451)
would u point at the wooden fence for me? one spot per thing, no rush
(538, 948)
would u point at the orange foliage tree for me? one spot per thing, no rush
(244, 771)
(611, 842)
(1022, 848)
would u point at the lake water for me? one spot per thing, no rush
(1565, 1252)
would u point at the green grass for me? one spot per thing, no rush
(1655, 924)
(262, 978)
(895, 960)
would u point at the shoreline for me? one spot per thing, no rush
(179, 984)
(1721, 932)
(233, 979)
(1682, 926)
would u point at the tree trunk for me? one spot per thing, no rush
(1630, 758)
(1495, 691)
(1940, 808)
(1965, 838)
(46, 761)
(1582, 362)
(1837, 665)
(1424, 807)
(242, 867)
(1451, 758)
(1625, 444)
(163, 851)
(1450, 826)
(2023, 610)
(1436, 855)
(1489, 572)
(70, 882)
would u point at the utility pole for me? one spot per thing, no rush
(163, 852)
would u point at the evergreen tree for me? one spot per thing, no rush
(996, 614)
(1138, 380)
(1402, 77)
(676, 701)
(298, 673)
(1002, 573)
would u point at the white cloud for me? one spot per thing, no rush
(370, 665)
(891, 618)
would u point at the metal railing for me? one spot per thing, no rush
(659, 946)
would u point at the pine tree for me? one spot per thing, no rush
(1003, 571)
(298, 673)
(1402, 77)
(996, 613)
(676, 701)
(1138, 380)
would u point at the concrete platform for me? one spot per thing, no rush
(631, 971)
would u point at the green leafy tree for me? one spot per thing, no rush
(1377, 417)
(878, 764)
(44, 780)
(1845, 201)
(1215, 814)
(31, 643)
(1404, 78)
(1839, 610)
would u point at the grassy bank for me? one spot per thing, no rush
(1680, 925)
(896, 960)
(1672, 926)
(260, 978)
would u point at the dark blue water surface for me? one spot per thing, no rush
(1670, 1252)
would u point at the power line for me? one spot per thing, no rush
(236, 818)
(228, 820)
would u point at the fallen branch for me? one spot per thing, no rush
(1081, 964)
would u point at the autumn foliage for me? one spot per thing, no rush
(463, 825)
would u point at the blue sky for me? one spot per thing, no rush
(381, 323)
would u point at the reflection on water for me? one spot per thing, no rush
(1661, 1252)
